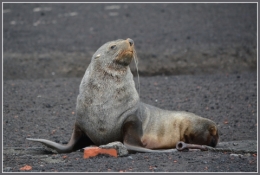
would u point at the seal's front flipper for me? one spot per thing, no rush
(77, 141)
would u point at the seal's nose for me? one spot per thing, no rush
(131, 42)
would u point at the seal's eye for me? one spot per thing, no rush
(113, 47)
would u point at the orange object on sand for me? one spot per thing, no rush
(94, 151)
(26, 168)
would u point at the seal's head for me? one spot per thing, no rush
(115, 54)
(205, 132)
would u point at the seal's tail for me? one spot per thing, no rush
(77, 141)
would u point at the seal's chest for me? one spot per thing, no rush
(105, 127)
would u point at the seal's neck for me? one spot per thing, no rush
(98, 78)
(113, 69)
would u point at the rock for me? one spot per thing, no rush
(236, 155)
(247, 155)
(7, 169)
(94, 151)
(120, 147)
(26, 168)
(114, 149)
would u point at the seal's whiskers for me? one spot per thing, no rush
(136, 65)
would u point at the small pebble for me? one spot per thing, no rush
(7, 169)
(236, 155)
(247, 154)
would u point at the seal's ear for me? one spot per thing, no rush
(97, 56)
(132, 131)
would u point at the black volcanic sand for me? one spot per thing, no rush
(170, 39)
(45, 108)
(200, 58)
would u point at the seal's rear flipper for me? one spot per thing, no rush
(77, 141)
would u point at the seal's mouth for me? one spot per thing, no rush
(126, 54)
(125, 57)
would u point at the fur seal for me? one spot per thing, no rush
(109, 109)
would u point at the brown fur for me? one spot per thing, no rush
(163, 129)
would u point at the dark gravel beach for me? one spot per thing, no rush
(199, 58)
